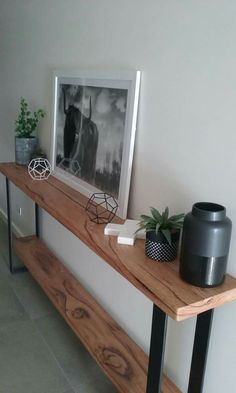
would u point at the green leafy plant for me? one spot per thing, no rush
(161, 222)
(27, 122)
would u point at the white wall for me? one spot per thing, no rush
(186, 138)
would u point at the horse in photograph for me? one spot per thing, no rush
(80, 139)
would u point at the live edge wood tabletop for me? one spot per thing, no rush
(160, 282)
(121, 359)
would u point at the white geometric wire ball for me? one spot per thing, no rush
(39, 169)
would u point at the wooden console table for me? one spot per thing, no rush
(127, 366)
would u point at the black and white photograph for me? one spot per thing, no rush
(90, 134)
(93, 133)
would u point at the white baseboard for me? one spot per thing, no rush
(15, 228)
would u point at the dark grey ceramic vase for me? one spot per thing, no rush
(24, 149)
(205, 245)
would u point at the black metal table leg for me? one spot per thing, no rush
(157, 349)
(9, 226)
(37, 233)
(13, 269)
(200, 349)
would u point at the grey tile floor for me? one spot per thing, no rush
(38, 351)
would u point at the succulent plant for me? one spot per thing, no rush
(161, 222)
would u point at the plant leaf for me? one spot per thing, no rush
(145, 217)
(155, 213)
(167, 235)
(177, 217)
(157, 228)
(177, 225)
(166, 212)
(165, 215)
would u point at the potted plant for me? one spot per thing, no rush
(26, 124)
(162, 234)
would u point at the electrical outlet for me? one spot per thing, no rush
(19, 210)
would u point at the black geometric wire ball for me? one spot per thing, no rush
(101, 208)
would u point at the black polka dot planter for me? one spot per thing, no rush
(158, 248)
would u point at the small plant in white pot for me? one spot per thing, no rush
(26, 124)
(162, 234)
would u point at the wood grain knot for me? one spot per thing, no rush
(59, 297)
(116, 361)
(210, 300)
(80, 313)
(70, 289)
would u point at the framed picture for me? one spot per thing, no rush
(94, 130)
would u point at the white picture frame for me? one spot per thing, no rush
(94, 124)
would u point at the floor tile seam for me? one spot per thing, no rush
(33, 321)
(53, 354)
(11, 284)
(68, 391)
(13, 287)
(25, 307)
(73, 387)
(5, 253)
(6, 266)
(17, 322)
(5, 259)
(24, 316)
(13, 322)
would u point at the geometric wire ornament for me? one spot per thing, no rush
(39, 168)
(101, 208)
